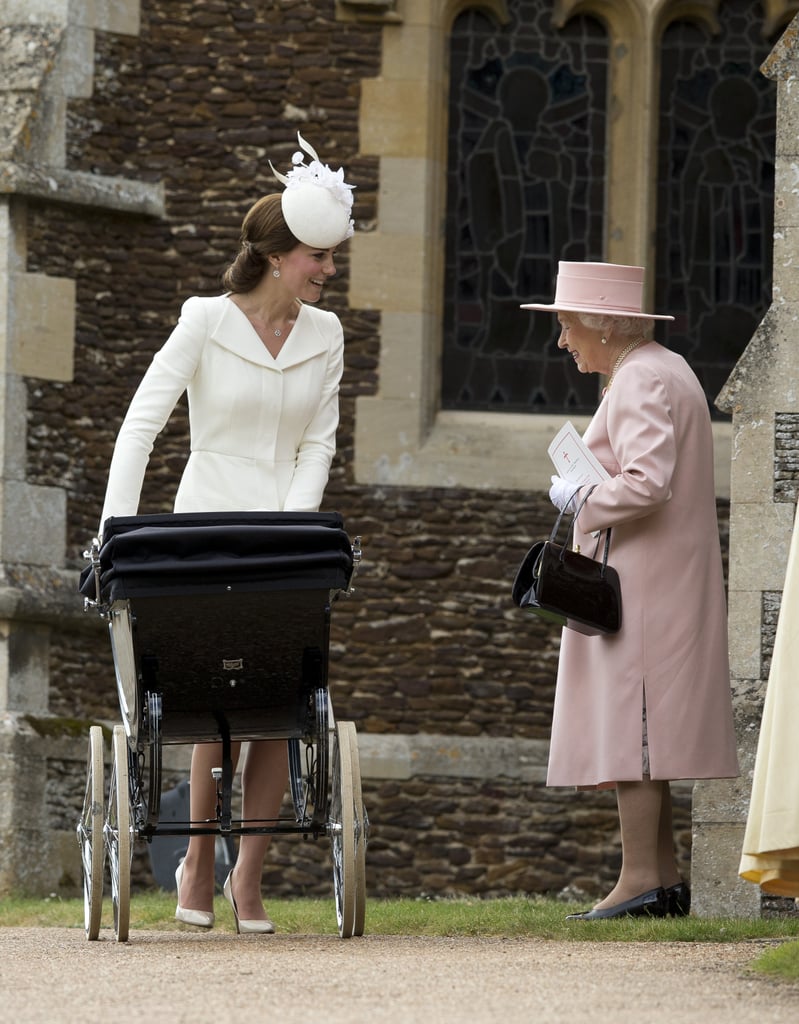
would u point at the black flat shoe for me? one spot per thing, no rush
(649, 904)
(678, 900)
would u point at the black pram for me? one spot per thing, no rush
(219, 626)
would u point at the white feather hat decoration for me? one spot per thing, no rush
(316, 201)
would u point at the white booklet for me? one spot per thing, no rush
(573, 460)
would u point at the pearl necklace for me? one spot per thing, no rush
(622, 356)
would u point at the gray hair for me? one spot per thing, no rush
(635, 328)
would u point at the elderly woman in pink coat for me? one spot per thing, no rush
(651, 703)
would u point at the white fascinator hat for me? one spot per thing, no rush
(316, 201)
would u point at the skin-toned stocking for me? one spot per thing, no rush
(263, 783)
(640, 806)
(669, 872)
(197, 883)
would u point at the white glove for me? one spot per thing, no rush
(562, 494)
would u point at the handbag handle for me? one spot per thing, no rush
(566, 543)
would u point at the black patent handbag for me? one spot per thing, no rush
(568, 588)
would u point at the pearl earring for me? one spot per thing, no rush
(604, 341)
(275, 272)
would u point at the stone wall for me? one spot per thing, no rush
(431, 835)
(429, 647)
(761, 396)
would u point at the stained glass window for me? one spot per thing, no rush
(715, 188)
(526, 181)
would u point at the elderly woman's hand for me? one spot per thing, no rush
(562, 494)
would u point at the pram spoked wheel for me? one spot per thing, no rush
(361, 823)
(90, 835)
(118, 834)
(348, 833)
(308, 759)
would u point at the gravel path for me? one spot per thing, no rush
(55, 975)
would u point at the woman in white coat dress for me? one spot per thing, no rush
(261, 367)
(651, 703)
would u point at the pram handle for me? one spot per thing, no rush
(92, 555)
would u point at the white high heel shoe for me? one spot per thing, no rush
(253, 927)
(198, 918)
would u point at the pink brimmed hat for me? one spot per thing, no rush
(601, 288)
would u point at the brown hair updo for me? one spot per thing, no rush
(263, 233)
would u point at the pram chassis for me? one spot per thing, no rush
(157, 580)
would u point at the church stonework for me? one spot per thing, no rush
(450, 691)
(762, 397)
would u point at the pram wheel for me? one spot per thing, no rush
(361, 822)
(90, 836)
(118, 834)
(346, 815)
(308, 782)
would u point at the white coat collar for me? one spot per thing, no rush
(233, 331)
